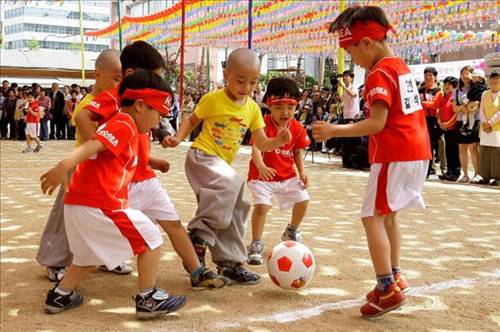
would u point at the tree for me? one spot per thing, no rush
(33, 44)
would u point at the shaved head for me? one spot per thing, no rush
(242, 57)
(108, 71)
(107, 58)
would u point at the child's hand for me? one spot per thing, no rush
(267, 173)
(304, 179)
(159, 165)
(170, 142)
(322, 131)
(52, 179)
(486, 127)
(284, 135)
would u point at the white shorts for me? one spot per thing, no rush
(394, 186)
(108, 237)
(32, 129)
(287, 192)
(150, 198)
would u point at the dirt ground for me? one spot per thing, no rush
(451, 255)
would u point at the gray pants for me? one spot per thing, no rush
(222, 211)
(54, 247)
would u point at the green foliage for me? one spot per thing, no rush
(310, 81)
(33, 45)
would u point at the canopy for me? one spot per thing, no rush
(300, 27)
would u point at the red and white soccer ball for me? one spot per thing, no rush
(290, 265)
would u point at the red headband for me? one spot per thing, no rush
(352, 35)
(273, 100)
(157, 99)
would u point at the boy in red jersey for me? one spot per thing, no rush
(145, 191)
(32, 124)
(100, 226)
(272, 174)
(399, 148)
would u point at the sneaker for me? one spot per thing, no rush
(383, 302)
(55, 273)
(157, 303)
(27, 150)
(55, 302)
(239, 275)
(400, 281)
(477, 179)
(209, 280)
(38, 148)
(200, 247)
(123, 268)
(494, 183)
(256, 252)
(291, 234)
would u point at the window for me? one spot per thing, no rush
(55, 13)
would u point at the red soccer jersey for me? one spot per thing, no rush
(106, 104)
(30, 118)
(405, 136)
(281, 158)
(143, 170)
(101, 181)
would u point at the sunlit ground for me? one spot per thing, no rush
(451, 256)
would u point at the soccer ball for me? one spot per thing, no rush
(290, 265)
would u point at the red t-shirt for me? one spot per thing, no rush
(143, 170)
(101, 181)
(446, 108)
(281, 159)
(405, 136)
(30, 118)
(106, 104)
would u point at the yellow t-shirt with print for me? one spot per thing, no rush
(84, 102)
(225, 124)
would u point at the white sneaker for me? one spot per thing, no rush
(123, 268)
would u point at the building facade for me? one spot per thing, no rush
(53, 25)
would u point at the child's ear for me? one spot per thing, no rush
(139, 105)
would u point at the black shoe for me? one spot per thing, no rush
(200, 247)
(55, 302)
(239, 275)
(209, 280)
(157, 303)
(448, 177)
(432, 171)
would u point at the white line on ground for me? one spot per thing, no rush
(290, 316)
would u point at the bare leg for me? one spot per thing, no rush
(394, 236)
(474, 154)
(464, 158)
(258, 220)
(181, 243)
(147, 264)
(28, 141)
(378, 244)
(74, 275)
(298, 213)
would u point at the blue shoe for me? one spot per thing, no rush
(157, 303)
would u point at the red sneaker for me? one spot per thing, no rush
(400, 280)
(383, 302)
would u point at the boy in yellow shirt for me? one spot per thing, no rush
(227, 113)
